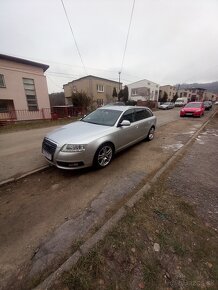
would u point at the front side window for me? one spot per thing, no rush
(30, 92)
(100, 88)
(2, 81)
(128, 115)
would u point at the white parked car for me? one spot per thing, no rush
(166, 106)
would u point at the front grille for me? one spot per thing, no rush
(49, 146)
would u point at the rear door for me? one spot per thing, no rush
(144, 120)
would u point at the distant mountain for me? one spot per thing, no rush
(211, 87)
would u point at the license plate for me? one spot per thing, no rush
(189, 114)
(47, 155)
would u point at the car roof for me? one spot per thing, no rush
(121, 108)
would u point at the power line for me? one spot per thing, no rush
(127, 36)
(74, 37)
(55, 83)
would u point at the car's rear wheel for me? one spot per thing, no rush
(150, 135)
(103, 155)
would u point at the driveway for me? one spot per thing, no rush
(20, 152)
(44, 214)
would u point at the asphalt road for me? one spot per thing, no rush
(20, 152)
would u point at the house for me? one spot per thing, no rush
(168, 90)
(99, 89)
(210, 96)
(185, 93)
(196, 94)
(23, 89)
(143, 90)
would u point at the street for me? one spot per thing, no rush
(43, 214)
(21, 151)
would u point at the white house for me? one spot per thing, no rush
(143, 90)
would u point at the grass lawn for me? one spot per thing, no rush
(160, 244)
(29, 125)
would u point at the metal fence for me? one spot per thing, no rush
(42, 114)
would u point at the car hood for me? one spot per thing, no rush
(78, 133)
(164, 106)
(191, 109)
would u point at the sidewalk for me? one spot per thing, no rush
(168, 240)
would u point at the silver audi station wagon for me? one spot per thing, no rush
(95, 139)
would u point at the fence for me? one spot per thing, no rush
(42, 114)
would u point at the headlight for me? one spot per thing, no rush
(73, 148)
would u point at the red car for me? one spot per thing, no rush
(195, 109)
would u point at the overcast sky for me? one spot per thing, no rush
(170, 41)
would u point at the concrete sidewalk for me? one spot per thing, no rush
(20, 152)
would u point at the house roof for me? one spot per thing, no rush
(24, 61)
(91, 76)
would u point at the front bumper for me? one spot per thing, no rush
(66, 160)
(187, 114)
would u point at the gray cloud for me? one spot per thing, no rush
(171, 41)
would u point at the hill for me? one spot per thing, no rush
(211, 87)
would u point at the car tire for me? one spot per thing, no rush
(103, 155)
(150, 135)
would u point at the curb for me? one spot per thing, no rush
(48, 283)
(24, 175)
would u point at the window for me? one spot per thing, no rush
(134, 92)
(3, 106)
(100, 88)
(30, 92)
(128, 115)
(141, 114)
(2, 81)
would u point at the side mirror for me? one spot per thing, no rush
(125, 123)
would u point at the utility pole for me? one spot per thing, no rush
(119, 79)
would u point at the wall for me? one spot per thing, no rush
(89, 85)
(13, 75)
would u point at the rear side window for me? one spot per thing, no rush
(141, 114)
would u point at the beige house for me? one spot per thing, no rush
(23, 89)
(169, 90)
(99, 89)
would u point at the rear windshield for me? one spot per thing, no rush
(193, 105)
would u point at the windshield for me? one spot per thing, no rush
(103, 117)
(166, 103)
(193, 105)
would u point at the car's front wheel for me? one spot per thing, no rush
(150, 135)
(103, 155)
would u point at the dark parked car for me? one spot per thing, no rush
(208, 105)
